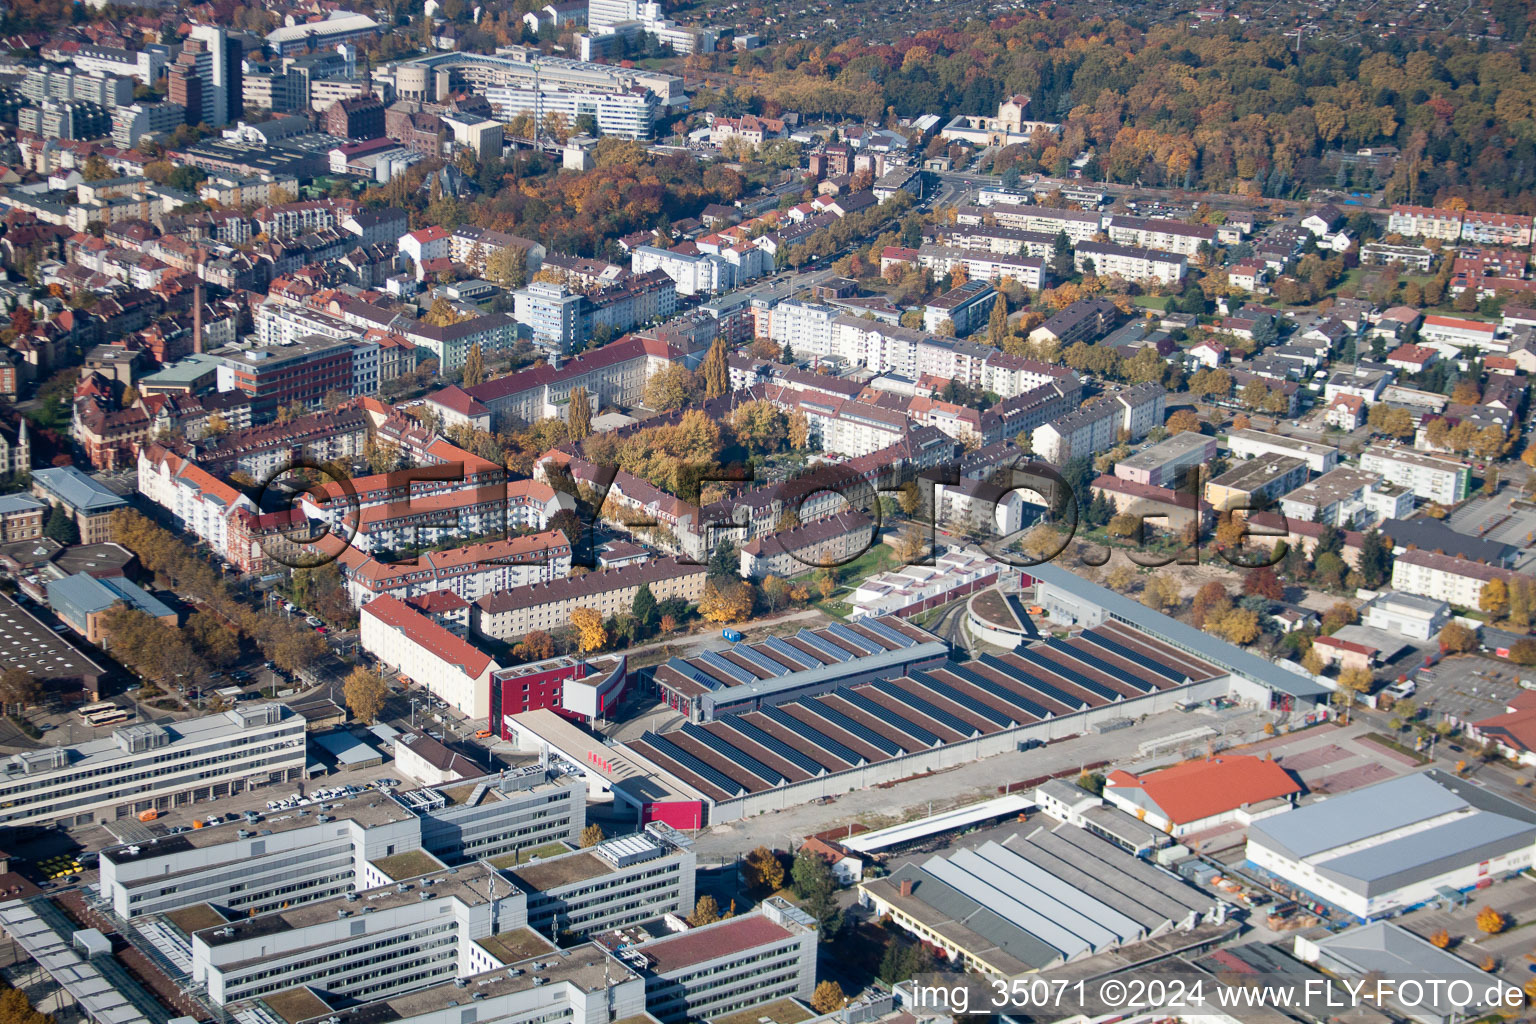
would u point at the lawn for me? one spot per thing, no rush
(518, 944)
(409, 864)
(1157, 302)
(512, 860)
(780, 1011)
(877, 558)
(195, 918)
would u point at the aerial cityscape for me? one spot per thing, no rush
(673, 512)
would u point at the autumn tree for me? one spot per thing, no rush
(828, 997)
(670, 389)
(1441, 939)
(716, 370)
(592, 835)
(17, 687)
(474, 366)
(1494, 598)
(1210, 601)
(365, 693)
(726, 600)
(1490, 921)
(1161, 592)
(590, 633)
(705, 911)
(1236, 626)
(1356, 678)
(1457, 639)
(1184, 421)
(762, 871)
(578, 417)
(1262, 582)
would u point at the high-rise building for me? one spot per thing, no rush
(206, 77)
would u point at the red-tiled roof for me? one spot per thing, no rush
(1196, 790)
(424, 632)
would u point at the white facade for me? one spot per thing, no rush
(1459, 581)
(1249, 444)
(1444, 480)
(1418, 618)
(694, 275)
(1130, 262)
(151, 767)
(425, 652)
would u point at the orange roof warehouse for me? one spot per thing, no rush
(1197, 795)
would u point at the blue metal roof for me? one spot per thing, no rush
(1180, 634)
(77, 490)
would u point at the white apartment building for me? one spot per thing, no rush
(145, 65)
(470, 572)
(1320, 458)
(1097, 427)
(629, 113)
(768, 953)
(980, 265)
(1165, 235)
(1459, 581)
(1424, 222)
(1431, 477)
(201, 503)
(704, 274)
(420, 649)
(1130, 262)
(278, 323)
(552, 312)
(615, 884)
(1346, 498)
(291, 859)
(1079, 225)
(153, 767)
(806, 327)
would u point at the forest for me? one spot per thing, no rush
(1208, 109)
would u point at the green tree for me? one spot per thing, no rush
(643, 607)
(1375, 559)
(61, 527)
(1061, 256)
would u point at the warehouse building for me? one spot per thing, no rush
(1198, 795)
(297, 857)
(780, 669)
(845, 736)
(1395, 845)
(1044, 899)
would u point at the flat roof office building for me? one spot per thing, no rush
(304, 856)
(153, 767)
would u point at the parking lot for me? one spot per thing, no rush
(1506, 518)
(1510, 948)
(1468, 689)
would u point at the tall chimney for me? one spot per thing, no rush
(197, 302)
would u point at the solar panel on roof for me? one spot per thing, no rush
(895, 636)
(762, 661)
(1029, 679)
(1101, 690)
(1025, 621)
(812, 735)
(773, 745)
(1000, 691)
(886, 746)
(924, 707)
(704, 679)
(796, 657)
(859, 643)
(1114, 646)
(899, 723)
(719, 664)
(1113, 671)
(740, 758)
(708, 773)
(815, 642)
(965, 700)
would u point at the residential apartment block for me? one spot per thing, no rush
(1459, 581)
(1097, 427)
(549, 605)
(1445, 480)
